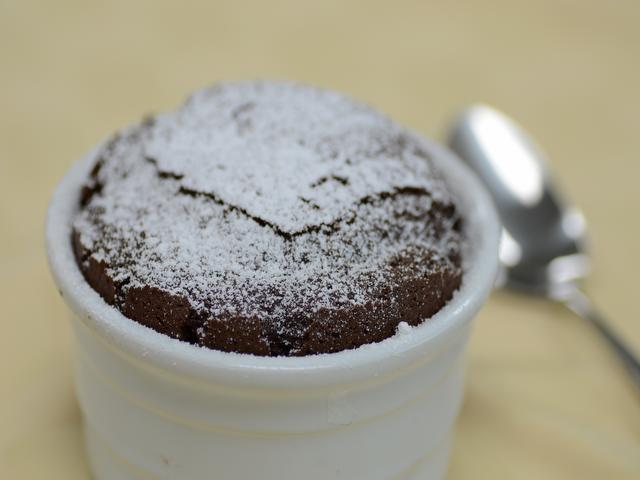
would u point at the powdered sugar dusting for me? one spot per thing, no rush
(269, 201)
(294, 157)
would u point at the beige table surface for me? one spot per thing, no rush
(544, 398)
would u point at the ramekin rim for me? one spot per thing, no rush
(155, 350)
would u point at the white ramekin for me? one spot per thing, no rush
(155, 407)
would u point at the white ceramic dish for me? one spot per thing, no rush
(155, 407)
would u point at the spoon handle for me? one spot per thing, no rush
(580, 304)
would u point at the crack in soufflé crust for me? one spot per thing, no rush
(269, 218)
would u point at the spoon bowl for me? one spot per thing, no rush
(543, 240)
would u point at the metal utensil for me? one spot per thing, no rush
(543, 241)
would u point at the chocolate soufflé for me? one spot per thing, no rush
(269, 218)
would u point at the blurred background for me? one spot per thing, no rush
(545, 400)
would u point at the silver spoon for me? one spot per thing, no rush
(542, 250)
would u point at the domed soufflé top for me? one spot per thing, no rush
(269, 218)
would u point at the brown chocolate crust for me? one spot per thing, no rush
(411, 301)
(268, 319)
